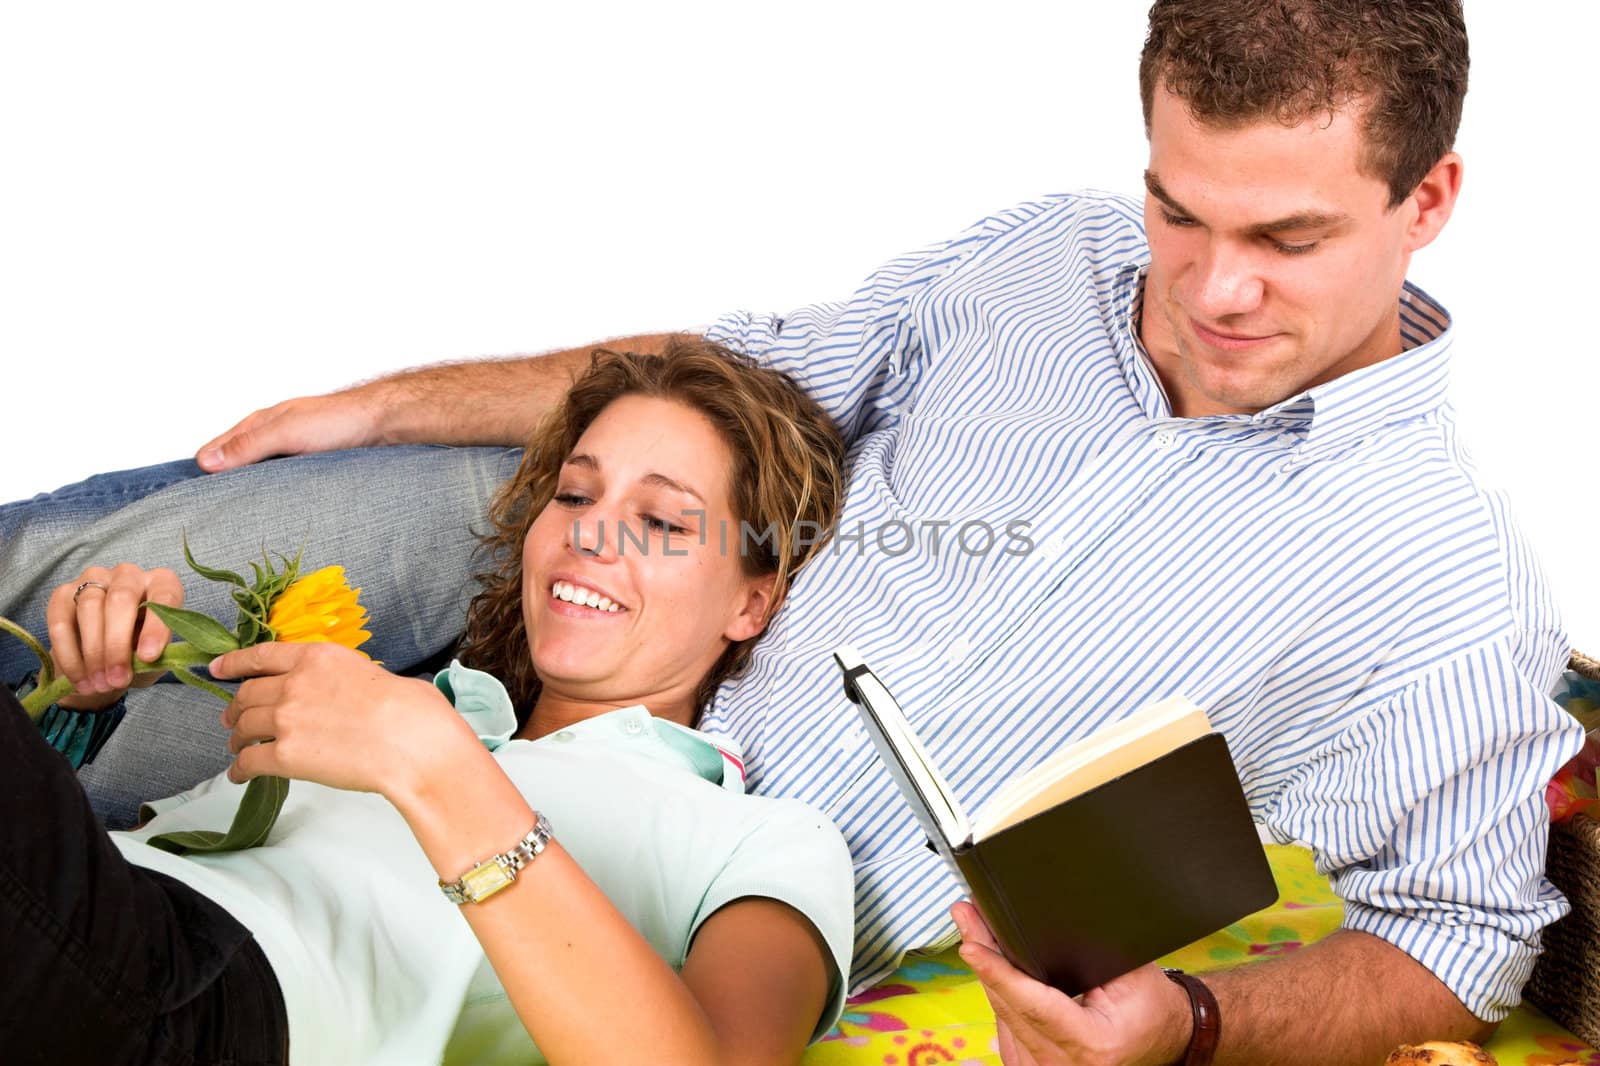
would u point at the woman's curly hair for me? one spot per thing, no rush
(787, 480)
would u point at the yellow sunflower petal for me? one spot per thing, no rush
(320, 607)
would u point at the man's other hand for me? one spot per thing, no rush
(305, 424)
(1141, 1017)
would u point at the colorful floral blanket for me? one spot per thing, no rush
(933, 1011)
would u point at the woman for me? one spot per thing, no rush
(665, 916)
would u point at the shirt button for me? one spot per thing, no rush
(1165, 439)
(957, 651)
(565, 737)
(1052, 548)
(633, 727)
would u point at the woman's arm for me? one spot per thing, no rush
(589, 988)
(587, 985)
(761, 972)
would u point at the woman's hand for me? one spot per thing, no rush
(321, 712)
(98, 626)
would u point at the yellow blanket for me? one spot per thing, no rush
(933, 1011)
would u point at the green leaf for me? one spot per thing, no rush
(188, 678)
(187, 840)
(207, 572)
(203, 631)
(257, 813)
(252, 618)
(255, 600)
(248, 631)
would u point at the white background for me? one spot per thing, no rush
(208, 207)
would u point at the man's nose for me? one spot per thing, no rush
(1228, 281)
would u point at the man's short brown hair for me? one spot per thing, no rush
(1402, 62)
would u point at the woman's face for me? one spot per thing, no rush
(629, 591)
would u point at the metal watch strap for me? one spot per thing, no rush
(1207, 1019)
(498, 871)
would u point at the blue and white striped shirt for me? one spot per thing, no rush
(1361, 621)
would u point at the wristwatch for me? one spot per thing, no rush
(498, 871)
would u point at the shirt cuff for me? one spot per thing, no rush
(751, 335)
(78, 735)
(1485, 968)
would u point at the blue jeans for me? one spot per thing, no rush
(401, 521)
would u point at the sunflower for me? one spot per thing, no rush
(320, 607)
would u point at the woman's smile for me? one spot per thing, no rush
(577, 599)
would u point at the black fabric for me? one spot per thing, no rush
(105, 962)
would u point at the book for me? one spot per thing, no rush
(1113, 851)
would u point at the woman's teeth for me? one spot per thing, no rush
(571, 593)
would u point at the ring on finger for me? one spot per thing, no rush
(88, 585)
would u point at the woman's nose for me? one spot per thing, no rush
(594, 536)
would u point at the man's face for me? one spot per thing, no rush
(1276, 263)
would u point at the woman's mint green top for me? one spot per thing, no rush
(376, 966)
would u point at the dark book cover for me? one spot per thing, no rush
(1122, 874)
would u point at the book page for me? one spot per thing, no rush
(1102, 756)
(924, 788)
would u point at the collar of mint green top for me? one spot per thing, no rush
(482, 700)
(1326, 418)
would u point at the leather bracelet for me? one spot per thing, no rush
(1207, 1019)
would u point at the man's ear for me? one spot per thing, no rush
(756, 609)
(1433, 200)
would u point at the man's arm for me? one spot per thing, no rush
(867, 370)
(489, 401)
(1349, 998)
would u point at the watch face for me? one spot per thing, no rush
(484, 880)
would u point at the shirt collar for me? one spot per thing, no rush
(1404, 388)
(482, 700)
(1326, 418)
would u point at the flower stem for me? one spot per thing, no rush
(177, 657)
(40, 699)
(46, 666)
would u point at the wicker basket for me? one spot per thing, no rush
(1566, 981)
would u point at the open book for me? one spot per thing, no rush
(1112, 852)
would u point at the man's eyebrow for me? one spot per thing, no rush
(589, 462)
(1298, 221)
(1154, 187)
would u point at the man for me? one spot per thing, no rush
(1103, 456)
